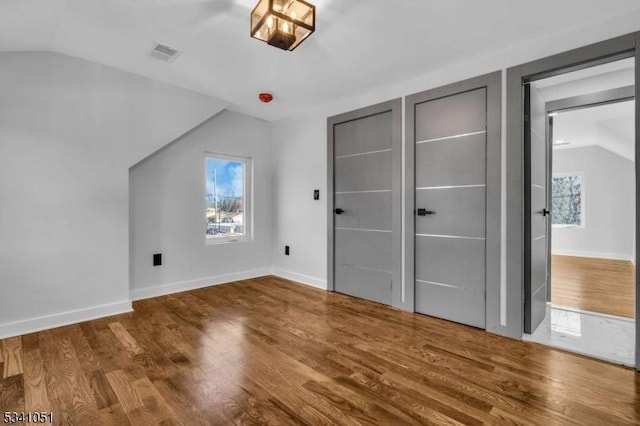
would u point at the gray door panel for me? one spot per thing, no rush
(437, 301)
(451, 116)
(364, 283)
(450, 172)
(536, 227)
(538, 220)
(452, 261)
(363, 173)
(539, 305)
(363, 181)
(538, 158)
(363, 135)
(365, 210)
(539, 264)
(538, 141)
(363, 248)
(459, 161)
(458, 211)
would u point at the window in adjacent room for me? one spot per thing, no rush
(567, 198)
(228, 198)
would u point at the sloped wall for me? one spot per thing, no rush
(69, 131)
(168, 210)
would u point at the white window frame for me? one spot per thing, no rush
(247, 199)
(583, 211)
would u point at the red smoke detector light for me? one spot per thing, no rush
(265, 97)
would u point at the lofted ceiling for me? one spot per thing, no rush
(358, 44)
(611, 127)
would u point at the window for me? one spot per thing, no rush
(228, 198)
(567, 200)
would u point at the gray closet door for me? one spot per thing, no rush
(363, 185)
(536, 229)
(450, 165)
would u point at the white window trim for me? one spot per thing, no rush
(583, 196)
(247, 200)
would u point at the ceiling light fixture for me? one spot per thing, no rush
(560, 142)
(283, 23)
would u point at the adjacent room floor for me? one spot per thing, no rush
(597, 285)
(592, 310)
(271, 351)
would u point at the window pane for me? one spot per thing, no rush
(225, 198)
(566, 200)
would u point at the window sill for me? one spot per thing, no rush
(215, 242)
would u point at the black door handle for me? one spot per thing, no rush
(545, 212)
(339, 211)
(424, 212)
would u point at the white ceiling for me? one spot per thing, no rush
(358, 45)
(611, 127)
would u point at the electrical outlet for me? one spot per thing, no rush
(316, 194)
(286, 250)
(157, 259)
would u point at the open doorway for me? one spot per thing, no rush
(582, 234)
(593, 209)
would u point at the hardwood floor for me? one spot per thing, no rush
(598, 285)
(267, 351)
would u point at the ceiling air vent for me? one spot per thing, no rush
(164, 53)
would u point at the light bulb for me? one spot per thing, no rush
(285, 27)
(293, 14)
(270, 22)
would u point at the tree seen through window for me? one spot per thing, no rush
(566, 199)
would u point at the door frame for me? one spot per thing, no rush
(606, 51)
(492, 82)
(395, 107)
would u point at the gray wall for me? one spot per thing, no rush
(300, 166)
(69, 131)
(301, 139)
(609, 204)
(168, 210)
(300, 143)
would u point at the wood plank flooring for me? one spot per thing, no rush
(599, 285)
(268, 351)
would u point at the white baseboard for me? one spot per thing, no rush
(163, 290)
(32, 325)
(47, 322)
(594, 254)
(301, 278)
